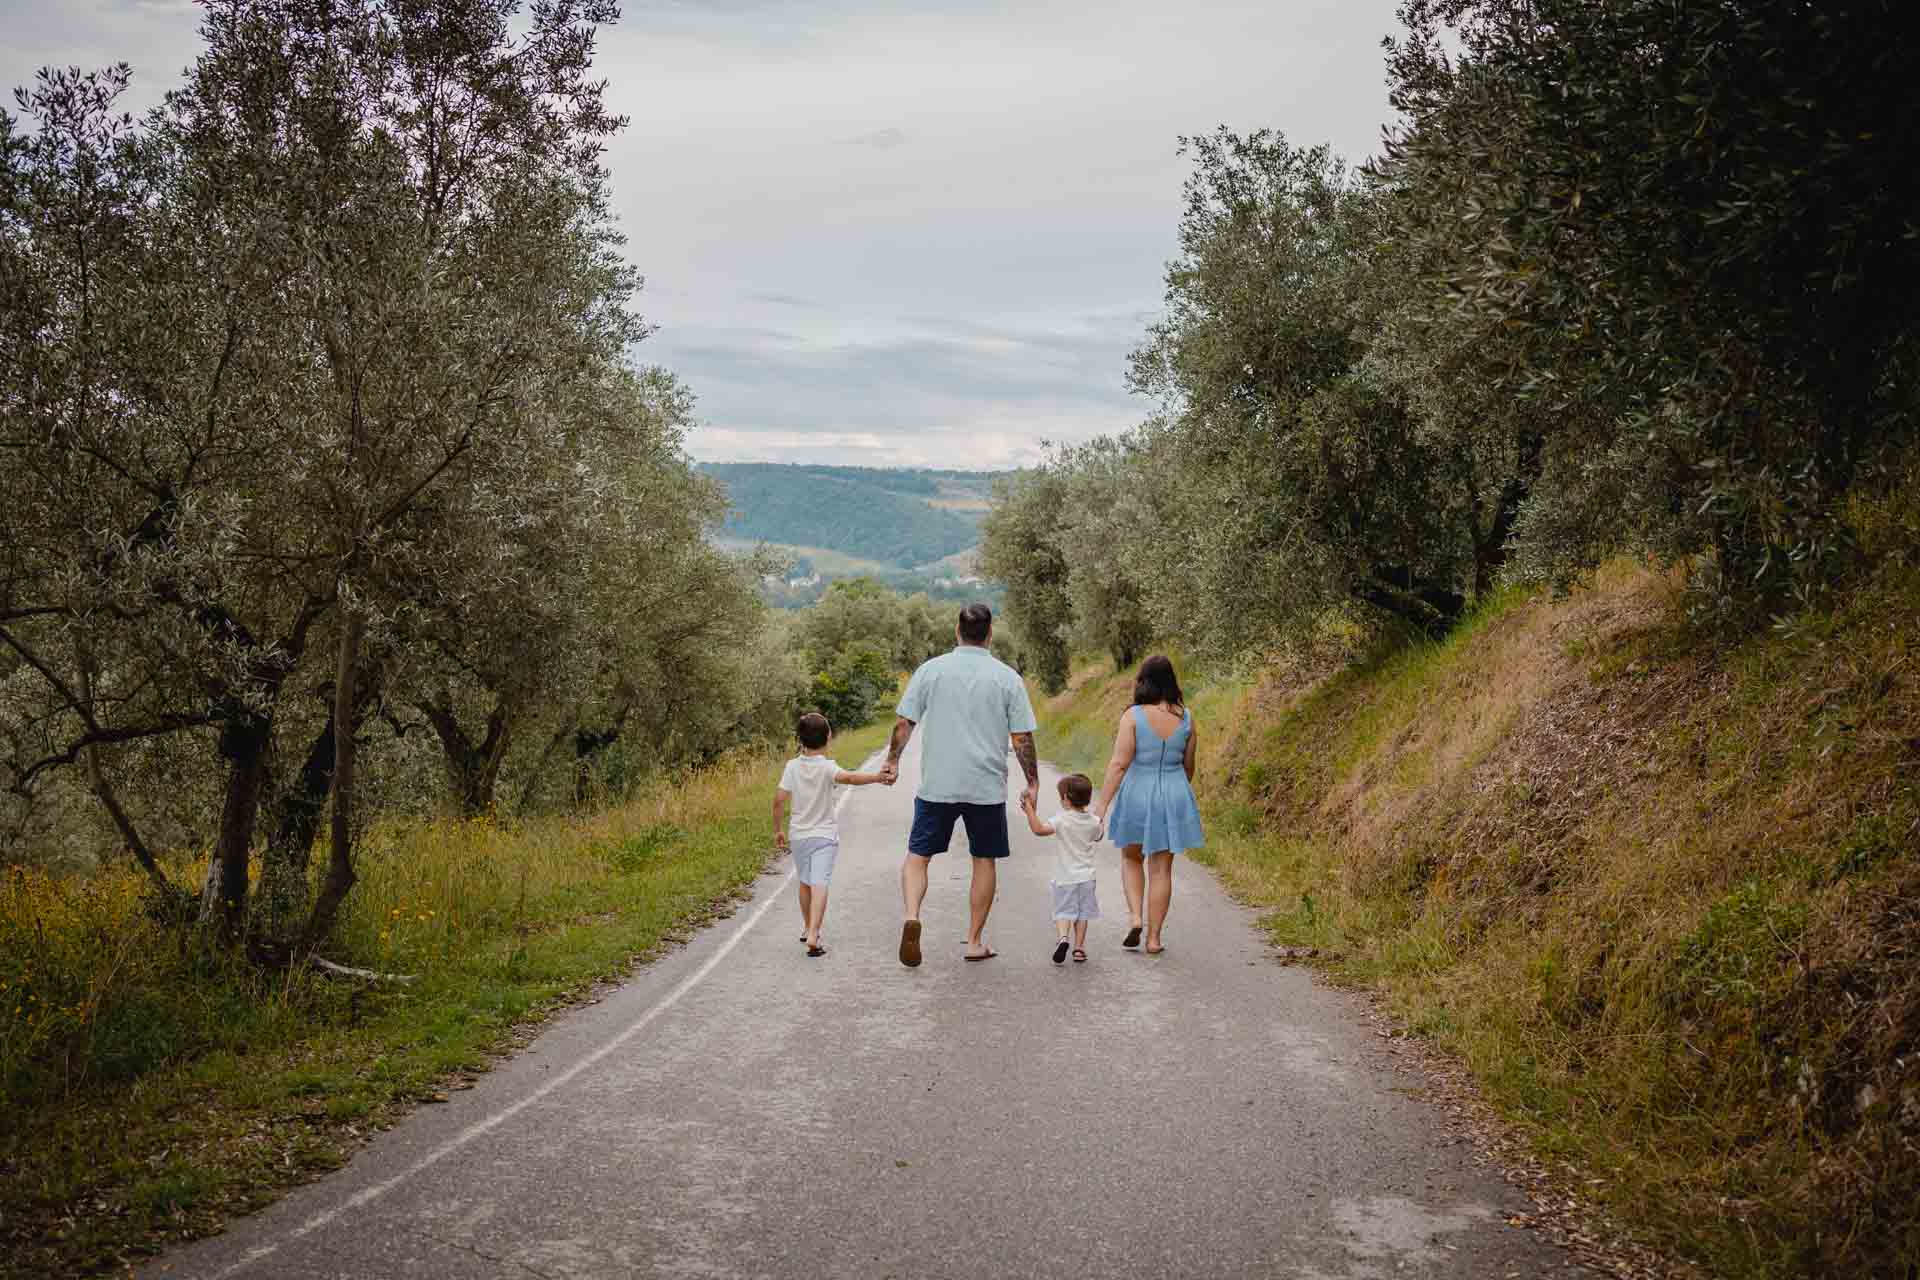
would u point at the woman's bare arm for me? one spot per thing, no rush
(1188, 758)
(1117, 764)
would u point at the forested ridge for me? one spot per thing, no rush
(1537, 507)
(873, 513)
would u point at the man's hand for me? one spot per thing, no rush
(889, 773)
(780, 840)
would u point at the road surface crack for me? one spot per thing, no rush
(476, 1251)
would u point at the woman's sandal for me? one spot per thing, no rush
(817, 951)
(1133, 937)
(1060, 952)
(1079, 955)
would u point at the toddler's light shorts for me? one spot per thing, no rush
(813, 859)
(1075, 901)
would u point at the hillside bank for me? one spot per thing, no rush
(1661, 898)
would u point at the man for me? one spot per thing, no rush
(971, 705)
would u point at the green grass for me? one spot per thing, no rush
(175, 1086)
(1656, 895)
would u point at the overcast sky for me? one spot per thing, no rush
(896, 232)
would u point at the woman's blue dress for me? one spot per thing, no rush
(1155, 808)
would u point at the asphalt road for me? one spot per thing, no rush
(741, 1110)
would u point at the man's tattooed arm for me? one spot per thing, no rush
(1023, 751)
(902, 730)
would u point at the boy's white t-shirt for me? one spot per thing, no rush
(1074, 832)
(809, 780)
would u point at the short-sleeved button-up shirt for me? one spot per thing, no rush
(966, 703)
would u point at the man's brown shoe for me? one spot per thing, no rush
(910, 944)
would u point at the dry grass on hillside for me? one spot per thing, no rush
(1664, 899)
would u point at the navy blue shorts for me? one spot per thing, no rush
(933, 827)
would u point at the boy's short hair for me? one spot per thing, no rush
(1077, 790)
(814, 731)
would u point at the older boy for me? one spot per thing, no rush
(809, 787)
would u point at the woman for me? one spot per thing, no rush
(1152, 770)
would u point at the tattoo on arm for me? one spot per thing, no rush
(1029, 761)
(902, 730)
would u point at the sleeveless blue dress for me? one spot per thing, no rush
(1155, 808)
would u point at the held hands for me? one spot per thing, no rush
(890, 773)
(780, 841)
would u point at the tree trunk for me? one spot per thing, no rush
(243, 743)
(1490, 545)
(473, 769)
(586, 745)
(286, 868)
(170, 898)
(1394, 590)
(286, 885)
(340, 876)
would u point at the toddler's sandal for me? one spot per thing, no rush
(1079, 955)
(1060, 952)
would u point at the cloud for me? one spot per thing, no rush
(943, 393)
(779, 299)
(879, 139)
(897, 229)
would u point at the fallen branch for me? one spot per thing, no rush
(333, 970)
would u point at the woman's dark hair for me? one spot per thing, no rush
(1157, 683)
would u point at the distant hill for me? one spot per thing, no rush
(904, 518)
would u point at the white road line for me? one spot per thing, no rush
(360, 1199)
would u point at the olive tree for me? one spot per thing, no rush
(1306, 485)
(1701, 216)
(1020, 548)
(1114, 507)
(323, 307)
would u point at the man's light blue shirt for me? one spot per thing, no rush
(966, 703)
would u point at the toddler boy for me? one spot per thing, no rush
(1075, 833)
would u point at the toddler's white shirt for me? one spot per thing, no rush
(1073, 842)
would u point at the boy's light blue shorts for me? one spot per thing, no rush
(813, 859)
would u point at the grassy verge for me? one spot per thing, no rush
(154, 1088)
(1077, 725)
(1661, 898)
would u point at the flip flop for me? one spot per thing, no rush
(1060, 952)
(1153, 951)
(988, 954)
(816, 951)
(1133, 937)
(1079, 955)
(910, 944)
